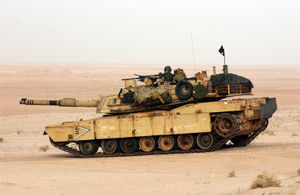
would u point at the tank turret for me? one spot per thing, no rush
(156, 93)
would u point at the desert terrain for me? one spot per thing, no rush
(26, 169)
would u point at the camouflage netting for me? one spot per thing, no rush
(229, 79)
(145, 94)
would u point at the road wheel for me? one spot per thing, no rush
(166, 142)
(147, 144)
(185, 142)
(128, 145)
(205, 140)
(88, 147)
(226, 125)
(109, 146)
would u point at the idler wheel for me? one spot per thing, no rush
(205, 140)
(147, 144)
(226, 125)
(166, 142)
(88, 147)
(185, 142)
(109, 146)
(128, 145)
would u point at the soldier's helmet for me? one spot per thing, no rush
(168, 68)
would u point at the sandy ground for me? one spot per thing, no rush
(25, 169)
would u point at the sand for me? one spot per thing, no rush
(25, 169)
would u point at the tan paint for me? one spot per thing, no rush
(72, 131)
(191, 118)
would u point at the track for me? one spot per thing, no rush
(216, 146)
(253, 135)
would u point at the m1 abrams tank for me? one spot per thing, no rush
(195, 123)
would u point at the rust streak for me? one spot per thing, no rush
(133, 132)
(94, 125)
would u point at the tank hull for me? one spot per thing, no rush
(186, 127)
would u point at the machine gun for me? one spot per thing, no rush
(141, 78)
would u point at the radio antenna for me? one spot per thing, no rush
(193, 50)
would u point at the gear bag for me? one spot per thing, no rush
(179, 74)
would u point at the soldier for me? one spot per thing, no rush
(167, 76)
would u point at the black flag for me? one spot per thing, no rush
(221, 50)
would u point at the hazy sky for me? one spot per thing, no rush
(159, 32)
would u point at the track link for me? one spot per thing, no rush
(252, 136)
(76, 153)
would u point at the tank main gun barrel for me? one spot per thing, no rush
(65, 102)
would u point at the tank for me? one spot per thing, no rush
(200, 122)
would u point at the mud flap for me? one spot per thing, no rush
(268, 109)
